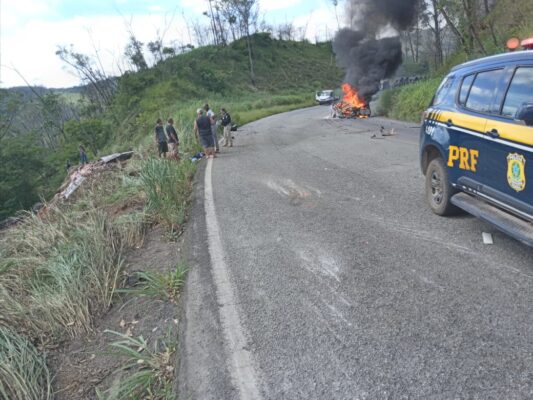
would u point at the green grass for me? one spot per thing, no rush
(168, 186)
(162, 286)
(150, 369)
(23, 371)
(408, 102)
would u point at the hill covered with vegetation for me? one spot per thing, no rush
(41, 130)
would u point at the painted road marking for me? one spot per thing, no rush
(240, 366)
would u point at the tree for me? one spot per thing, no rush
(246, 12)
(134, 53)
(101, 87)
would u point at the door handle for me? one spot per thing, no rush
(449, 123)
(493, 133)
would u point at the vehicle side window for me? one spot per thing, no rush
(443, 90)
(465, 88)
(482, 90)
(520, 91)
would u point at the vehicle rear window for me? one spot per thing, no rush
(482, 90)
(465, 87)
(443, 90)
(520, 91)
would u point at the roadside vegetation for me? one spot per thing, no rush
(504, 20)
(62, 269)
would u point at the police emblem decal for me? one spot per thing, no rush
(516, 171)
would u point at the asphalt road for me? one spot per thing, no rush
(345, 284)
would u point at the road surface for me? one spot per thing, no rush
(320, 273)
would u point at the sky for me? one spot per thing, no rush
(32, 30)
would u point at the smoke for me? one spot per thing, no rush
(364, 52)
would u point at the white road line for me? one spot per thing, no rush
(241, 365)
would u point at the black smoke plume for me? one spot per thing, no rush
(366, 58)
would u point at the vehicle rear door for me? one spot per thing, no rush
(470, 159)
(511, 144)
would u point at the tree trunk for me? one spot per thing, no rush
(437, 34)
(490, 23)
(469, 7)
(454, 29)
(250, 58)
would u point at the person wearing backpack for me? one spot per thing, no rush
(226, 124)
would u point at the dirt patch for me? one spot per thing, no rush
(85, 363)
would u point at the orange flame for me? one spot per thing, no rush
(351, 96)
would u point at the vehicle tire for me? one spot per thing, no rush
(438, 189)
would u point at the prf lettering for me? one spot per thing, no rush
(467, 158)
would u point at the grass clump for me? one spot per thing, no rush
(59, 271)
(153, 368)
(168, 187)
(162, 286)
(23, 371)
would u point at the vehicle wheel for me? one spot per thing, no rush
(438, 189)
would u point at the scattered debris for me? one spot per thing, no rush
(487, 238)
(197, 157)
(117, 157)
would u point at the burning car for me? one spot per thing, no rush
(351, 105)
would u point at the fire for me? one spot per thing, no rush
(351, 105)
(351, 96)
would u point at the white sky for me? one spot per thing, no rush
(31, 30)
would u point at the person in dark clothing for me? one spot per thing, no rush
(173, 140)
(226, 124)
(161, 138)
(203, 132)
(83, 155)
(213, 118)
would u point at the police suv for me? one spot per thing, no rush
(476, 143)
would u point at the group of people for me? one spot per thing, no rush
(205, 130)
(167, 139)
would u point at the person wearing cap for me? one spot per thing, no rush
(213, 118)
(204, 133)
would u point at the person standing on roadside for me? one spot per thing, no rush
(226, 124)
(160, 138)
(203, 132)
(213, 118)
(173, 140)
(83, 155)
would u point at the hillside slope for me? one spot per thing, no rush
(286, 75)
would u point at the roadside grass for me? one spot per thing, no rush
(150, 369)
(157, 285)
(168, 187)
(23, 371)
(408, 102)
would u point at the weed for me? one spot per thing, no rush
(23, 371)
(162, 286)
(153, 366)
(168, 187)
